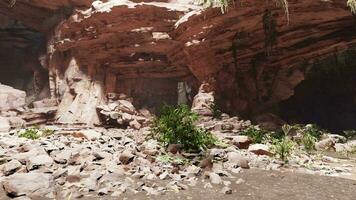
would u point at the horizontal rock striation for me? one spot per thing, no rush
(252, 56)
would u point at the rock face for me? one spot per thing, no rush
(251, 57)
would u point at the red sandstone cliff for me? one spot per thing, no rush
(251, 56)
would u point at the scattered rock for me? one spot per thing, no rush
(214, 178)
(90, 134)
(325, 144)
(237, 159)
(203, 100)
(206, 163)
(11, 167)
(126, 157)
(242, 142)
(260, 149)
(226, 190)
(37, 161)
(11, 98)
(29, 184)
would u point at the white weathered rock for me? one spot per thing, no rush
(38, 161)
(126, 106)
(62, 156)
(90, 134)
(135, 125)
(203, 100)
(11, 167)
(29, 184)
(11, 98)
(237, 159)
(16, 122)
(325, 144)
(215, 178)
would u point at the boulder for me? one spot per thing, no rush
(38, 161)
(325, 144)
(242, 141)
(29, 184)
(11, 167)
(126, 157)
(236, 158)
(16, 122)
(203, 101)
(11, 98)
(88, 134)
(215, 178)
(260, 149)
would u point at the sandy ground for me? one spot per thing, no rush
(260, 185)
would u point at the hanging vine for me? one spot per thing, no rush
(11, 3)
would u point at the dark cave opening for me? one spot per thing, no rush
(327, 97)
(20, 65)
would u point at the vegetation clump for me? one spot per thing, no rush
(352, 5)
(217, 113)
(283, 148)
(308, 142)
(256, 134)
(176, 125)
(35, 133)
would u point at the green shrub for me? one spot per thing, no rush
(257, 135)
(283, 148)
(35, 133)
(172, 159)
(313, 130)
(308, 141)
(176, 125)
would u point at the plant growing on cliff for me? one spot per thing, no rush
(176, 125)
(352, 5)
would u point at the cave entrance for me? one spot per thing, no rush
(20, 66)
(327, 97)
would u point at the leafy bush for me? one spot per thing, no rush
(308, 141)
(257, 135)
(313, 130)
(176, 125)
(35, 133)
(283, 148)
